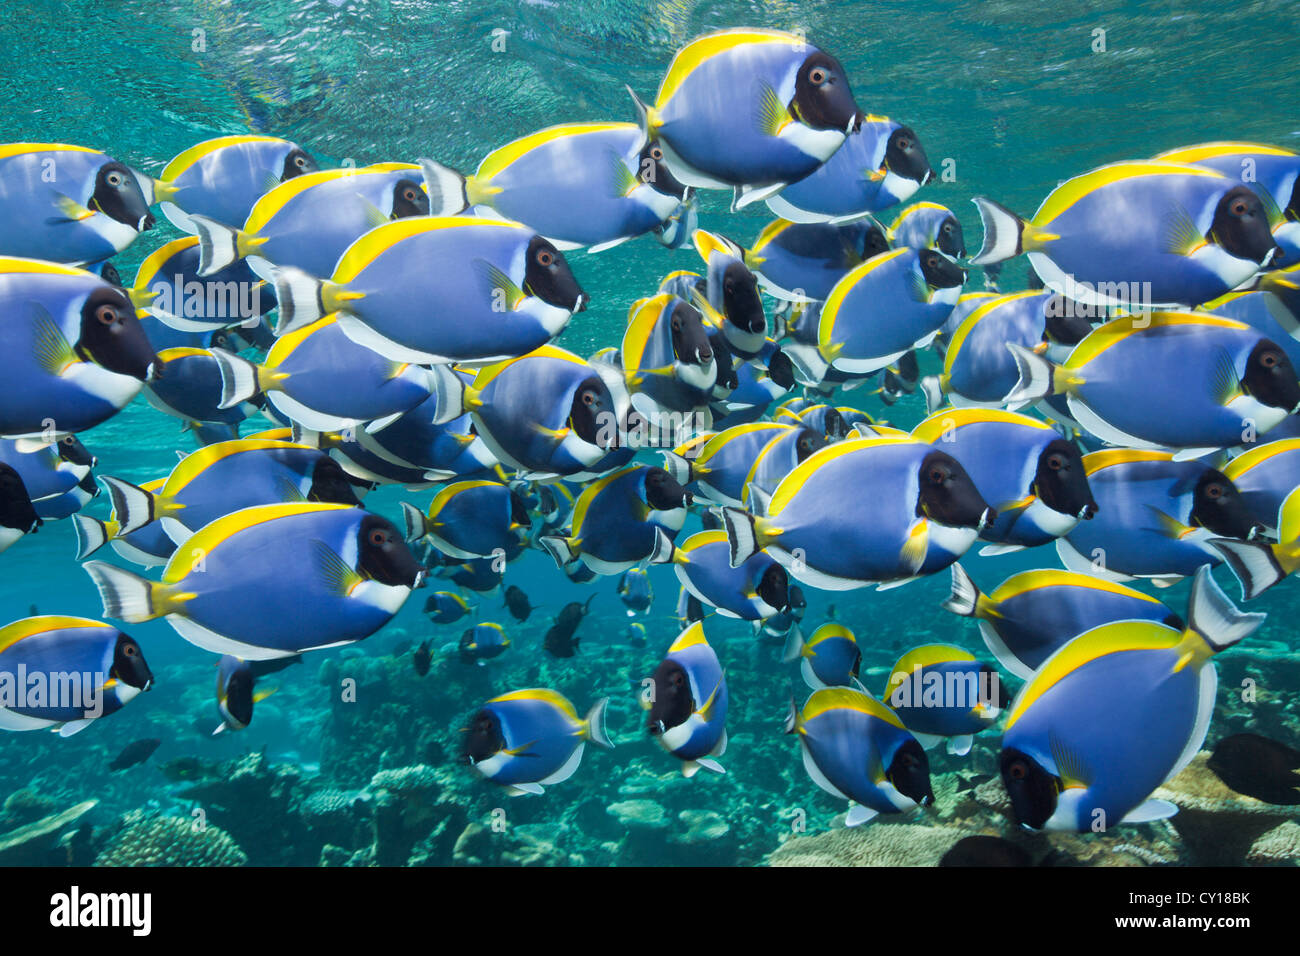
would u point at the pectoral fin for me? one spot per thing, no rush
(54, 353)
(499, 285)
(770, 114)
(339, 578)
(1179, 234)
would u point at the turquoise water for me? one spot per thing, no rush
(1010, 96)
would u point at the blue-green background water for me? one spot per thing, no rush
(1010, 95)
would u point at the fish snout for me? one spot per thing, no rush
(580, 304)
(989, 516)
(147, 222)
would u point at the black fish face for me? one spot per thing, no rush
(384, 555)
(654, 172)
(1033, 791)
(774, 588)
(72, 451)
(873, 243)
(547, 275)
(948, 495)
(1270, 377)
(409, 200)
(939, 271)
(951, 241)
(1218, 506)
(239, 695)
(1001, 698)
(330, 483)
(905, 156)
(108, 272)
(483, 737)
(797, 600)
(741, 303)
(1241, 225)
(781, 370)
(519, 511)
(823, 98)
(909, 370)
(1061, 324)
(672, 704)
(809, 441)
(1061, 483)
(726, 362)
(690, 338)
(297, 163)
(118, 195)
(129, 665)
(909, 772)
(834, 425)
(592, 414)
(16, 509)
(663, 492)
(113, 337)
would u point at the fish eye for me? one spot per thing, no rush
(300, 162)
(1214, 491)
(106, 315)
(904, 143)
(378, 536)
(1056, 462)
(588, 398)
(1017, 771)
(656, 153)
(410, 195)
(115, 179)
(1239, 208)
(1269, 359)
(938, 475)
(545, 257)
(818, 76)
(676, 324)
(130, 650)
(68, 440)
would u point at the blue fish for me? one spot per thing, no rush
(1114, 714)
(344, 571)
(530, 739)
(687, 703)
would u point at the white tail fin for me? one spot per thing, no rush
(965, 595)
(664, 548)
(126, 596)
(218, 244)
(810, 368)
(238, 378)
(1252, 562)
(1002, 230)
(642, 111)
(449, 394)
(133, 506)
(1035, 376)
(297, 292)
(446, 189)
(596, 731)
(793, 649)
(678, 467)
(416, 526)
(92, 534)
(791, 718)
(559, 548)
(742, 538)
(933, 394)
(1214, 617)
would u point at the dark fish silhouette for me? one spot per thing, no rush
(561, 638)
(135, 753)
(517, 603)
(1258, 767)
(985, 851)
(422, 658)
